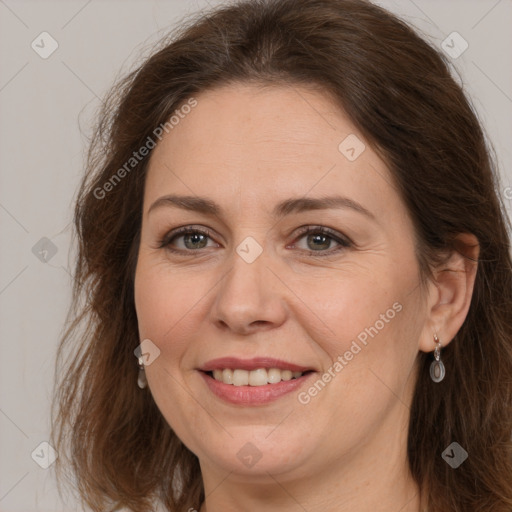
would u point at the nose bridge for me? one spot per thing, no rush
(247, 296)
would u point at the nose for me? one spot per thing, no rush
(250, 297)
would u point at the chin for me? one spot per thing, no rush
(254, 451)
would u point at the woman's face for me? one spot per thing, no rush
(345, 305)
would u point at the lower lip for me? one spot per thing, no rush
(253, 395)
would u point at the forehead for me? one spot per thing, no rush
(262, 119)
(263, 143)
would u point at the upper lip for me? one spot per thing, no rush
(251, 364)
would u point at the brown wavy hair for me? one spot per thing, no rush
(114, 444)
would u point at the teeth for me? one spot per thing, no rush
(240, 378)
(286, 375)
(273, 376)
(258, 377)
(227, 376)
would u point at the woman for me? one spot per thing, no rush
(294, 285)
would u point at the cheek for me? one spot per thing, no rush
(164, 303)
(343, 308)
(371, 358)
(161, 293)
(367, 326)
(168, 303)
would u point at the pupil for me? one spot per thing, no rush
(323, 239)
(195, 238)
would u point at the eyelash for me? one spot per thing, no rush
(344, 242)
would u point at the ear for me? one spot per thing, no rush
(450, 292)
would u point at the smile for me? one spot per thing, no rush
(258, 377)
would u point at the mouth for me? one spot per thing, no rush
(257, 377)
(253, 382)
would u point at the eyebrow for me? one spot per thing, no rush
(293, 205)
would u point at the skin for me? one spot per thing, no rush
(247, 148)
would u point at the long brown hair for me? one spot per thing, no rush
(399, 93)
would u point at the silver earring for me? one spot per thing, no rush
(142, 381)
(437, 369)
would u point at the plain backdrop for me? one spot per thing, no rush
(47, 109)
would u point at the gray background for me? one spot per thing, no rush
(47, 107)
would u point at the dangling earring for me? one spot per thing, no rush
(437, 369)
(142, 381)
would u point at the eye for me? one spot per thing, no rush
(319, 240)
(186, 239)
